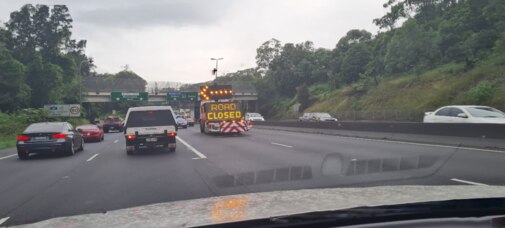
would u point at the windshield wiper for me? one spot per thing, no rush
(372, 215)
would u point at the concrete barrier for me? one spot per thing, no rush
(494, 131)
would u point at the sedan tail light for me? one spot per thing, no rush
(172, 134)
(59, 136)
(130, 137)
(23, 138)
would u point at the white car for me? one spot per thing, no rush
(252, 116)
(181, 122)
(150, 127)
(317, 116)
(465, 114)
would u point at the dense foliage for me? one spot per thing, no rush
(432, 34)
(41, 64)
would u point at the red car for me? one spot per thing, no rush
(91, 132)
(113, 123)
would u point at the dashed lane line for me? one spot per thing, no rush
(200, 155)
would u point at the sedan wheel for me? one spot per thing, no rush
(81, 148)
(71, 151)
(23, 155)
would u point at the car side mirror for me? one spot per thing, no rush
(462, 115)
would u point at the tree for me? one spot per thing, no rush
(303, 97)
(354, 62)
(14, 92)
(267, 52)
(46, 80)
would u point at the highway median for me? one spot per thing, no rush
(485, 136)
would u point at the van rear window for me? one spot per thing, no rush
(150, 118)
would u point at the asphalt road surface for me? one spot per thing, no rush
(104, 178)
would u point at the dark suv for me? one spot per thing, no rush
(112, 123)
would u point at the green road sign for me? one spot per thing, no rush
(123, 96)
(182, 96)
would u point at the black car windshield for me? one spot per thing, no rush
(44, 127)
(486, 112)
(150, 118)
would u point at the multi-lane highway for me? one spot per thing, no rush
(103, 177)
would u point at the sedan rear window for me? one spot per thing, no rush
(150, 118)
(45, 127)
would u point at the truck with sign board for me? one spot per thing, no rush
(218, 112)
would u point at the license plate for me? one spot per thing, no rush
(39, 138)
(151, 139)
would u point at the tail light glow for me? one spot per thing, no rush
(130, 137)
(23, 138)
(172, 134)
(59, 136)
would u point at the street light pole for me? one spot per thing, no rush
(90, 61)
(217, 62)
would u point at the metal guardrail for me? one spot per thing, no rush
(495, 131)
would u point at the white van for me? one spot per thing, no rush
(150, 127)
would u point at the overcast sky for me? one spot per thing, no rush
(173, 40)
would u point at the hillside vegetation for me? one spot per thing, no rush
(443, 52)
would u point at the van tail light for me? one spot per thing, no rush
(23, 138)
(130, 137)
(59, 136)
(172, 134)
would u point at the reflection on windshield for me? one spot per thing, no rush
(229, 210)
(485, 112)
(295, 173)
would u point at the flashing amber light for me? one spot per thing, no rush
(202, 93)
(130, 137)
(231, 91)
(211, 92)
(206, 87)
(220, 92)
(224, 121)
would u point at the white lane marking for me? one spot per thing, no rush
(468, 182)
(191, 148)
(2, 220)
(117, 140)
(12, 155)
(278, 144)
(91, 158)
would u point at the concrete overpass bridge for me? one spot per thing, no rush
(101, 97)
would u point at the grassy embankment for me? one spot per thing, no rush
(13, 124)
(445, 85)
